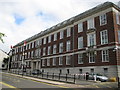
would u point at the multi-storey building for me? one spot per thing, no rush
(88, 42)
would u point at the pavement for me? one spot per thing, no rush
(79, 84)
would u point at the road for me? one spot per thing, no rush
(10, 81)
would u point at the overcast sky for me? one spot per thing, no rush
(21, 19)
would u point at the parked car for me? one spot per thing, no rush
(36, 72)
(99, 77)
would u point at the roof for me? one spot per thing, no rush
(70, 21)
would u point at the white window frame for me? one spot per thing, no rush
(68, 60)
(90, 23)
(68, 32)
(54, 61)
(80, 58)
(91, 57)
(103, 19)
(61, 60)
(48, 62)
(44, 40)
(119, 36)
(44, 51)
(54, 49)
(49, 39)
(40, 41)
(49, 50)
(61, 34)
(43, 62)
(118, 18)
(104, 37)
(61, 47)
(80, 27)
(105, 55)
(55, 36)
(80, 42)
(68, 45)
(91, 39)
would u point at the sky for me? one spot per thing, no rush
(21, 19)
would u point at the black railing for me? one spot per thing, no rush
(118, 82)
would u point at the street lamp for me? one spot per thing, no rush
(23, 62)
(10, 54)
(117, 55)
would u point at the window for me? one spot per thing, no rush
(60, 60)
(48, 62)
(54, 49)
(105, 56)
(104, 37)
(60, 47)
(119, 36)
(55, 36)
(90, 23)
(118, 18)
(36, 43)
(80, 42)
(49, 39)
(80, 58)
(68, 60)
(91, 39)
(44, 51)
(49, 50)
(43, 62)
(61, 34)
(32, 54)
(103, 19)
(68, 32)
(54, 61)
(68, 46)
(32, 44)
(80, 27)
(44, 40)
(92, 57)
(40, 42)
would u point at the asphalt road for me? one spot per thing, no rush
(9, 81)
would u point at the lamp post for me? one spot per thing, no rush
(23, 62)
(10, 54)
(117, 55)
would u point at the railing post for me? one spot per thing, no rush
(118, 82)
(59, 76)
(47, 75)
(74, 78)
(66, 77)
(53, 76)
(42, 75)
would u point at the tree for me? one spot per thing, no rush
(1, 35)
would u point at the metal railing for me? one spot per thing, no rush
(69, 78)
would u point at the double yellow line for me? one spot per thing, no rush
(10, 86)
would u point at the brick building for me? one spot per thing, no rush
(88, 42)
